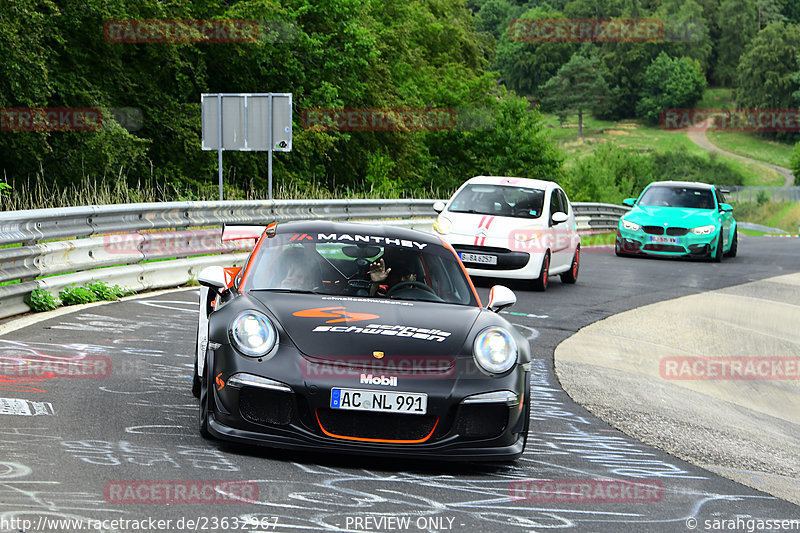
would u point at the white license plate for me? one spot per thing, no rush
(414, 403)
(479, 258)
(664, 240)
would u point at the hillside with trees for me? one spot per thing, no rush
(453, 54)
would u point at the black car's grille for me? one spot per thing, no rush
(677, 232)
(482, 421)
(389, 427)
(664, 248)
(265, 407)
(653, 230)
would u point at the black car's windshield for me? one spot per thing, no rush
(499, 200)
(676, 196)
(375, 267)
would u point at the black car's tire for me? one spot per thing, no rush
(571, 275)
(527, 425)
(540, 284)
(205, 402)
(717, 257)
(195, 381)
(734, 245)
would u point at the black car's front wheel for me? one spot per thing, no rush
(205, 403)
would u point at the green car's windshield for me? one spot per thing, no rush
(499, 200)
(676, 196)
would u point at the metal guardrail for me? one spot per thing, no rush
(119, 243)
(750, 193)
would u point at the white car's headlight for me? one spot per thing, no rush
(703, 230)
(630, 226)
(253, 334)
(442, 225)
(495, 350)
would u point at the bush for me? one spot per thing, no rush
(681, 165)
(77, 295)
(669, 84)
(609, 174)
(794, 161)
(105, 292)
(41, 300)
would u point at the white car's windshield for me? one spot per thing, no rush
(499, 200)
(364, 269)
(674, 196)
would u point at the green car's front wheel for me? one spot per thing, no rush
(734, 245)
(717, 257)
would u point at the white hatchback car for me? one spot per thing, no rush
(514, 228)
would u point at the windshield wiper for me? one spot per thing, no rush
(298, 291)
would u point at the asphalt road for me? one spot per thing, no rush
(77, 448)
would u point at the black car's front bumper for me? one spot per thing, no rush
(300, 418)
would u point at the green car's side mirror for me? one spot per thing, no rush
(725, 207)
(630, 202)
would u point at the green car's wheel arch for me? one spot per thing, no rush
(734, 245)
(717, 257)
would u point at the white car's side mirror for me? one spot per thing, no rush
(438, 206)
(559, 217)
(500, 297)
(212, 277)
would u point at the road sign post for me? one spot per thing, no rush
(247, 122)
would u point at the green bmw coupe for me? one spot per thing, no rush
(678, 218)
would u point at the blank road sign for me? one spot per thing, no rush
(245, 121)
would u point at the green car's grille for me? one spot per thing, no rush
(653, 230)
(677, 232)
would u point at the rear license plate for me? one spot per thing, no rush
(478, 258)
(664, 240)
(414, 403)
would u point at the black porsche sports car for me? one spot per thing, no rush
(359, 339)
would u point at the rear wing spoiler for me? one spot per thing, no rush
(237, 232)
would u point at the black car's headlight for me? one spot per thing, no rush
(495, 350)
(253, 334)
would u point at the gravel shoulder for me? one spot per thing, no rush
(747, 429)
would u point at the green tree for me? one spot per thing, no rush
(686, 31)
(524, 65)
(766, 68)
(577, 86)
(669, 84)
(794, 162)
(738, 25)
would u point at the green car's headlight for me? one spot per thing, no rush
(703, 230)
(495, 350)
(630, 226)
(253, 334)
